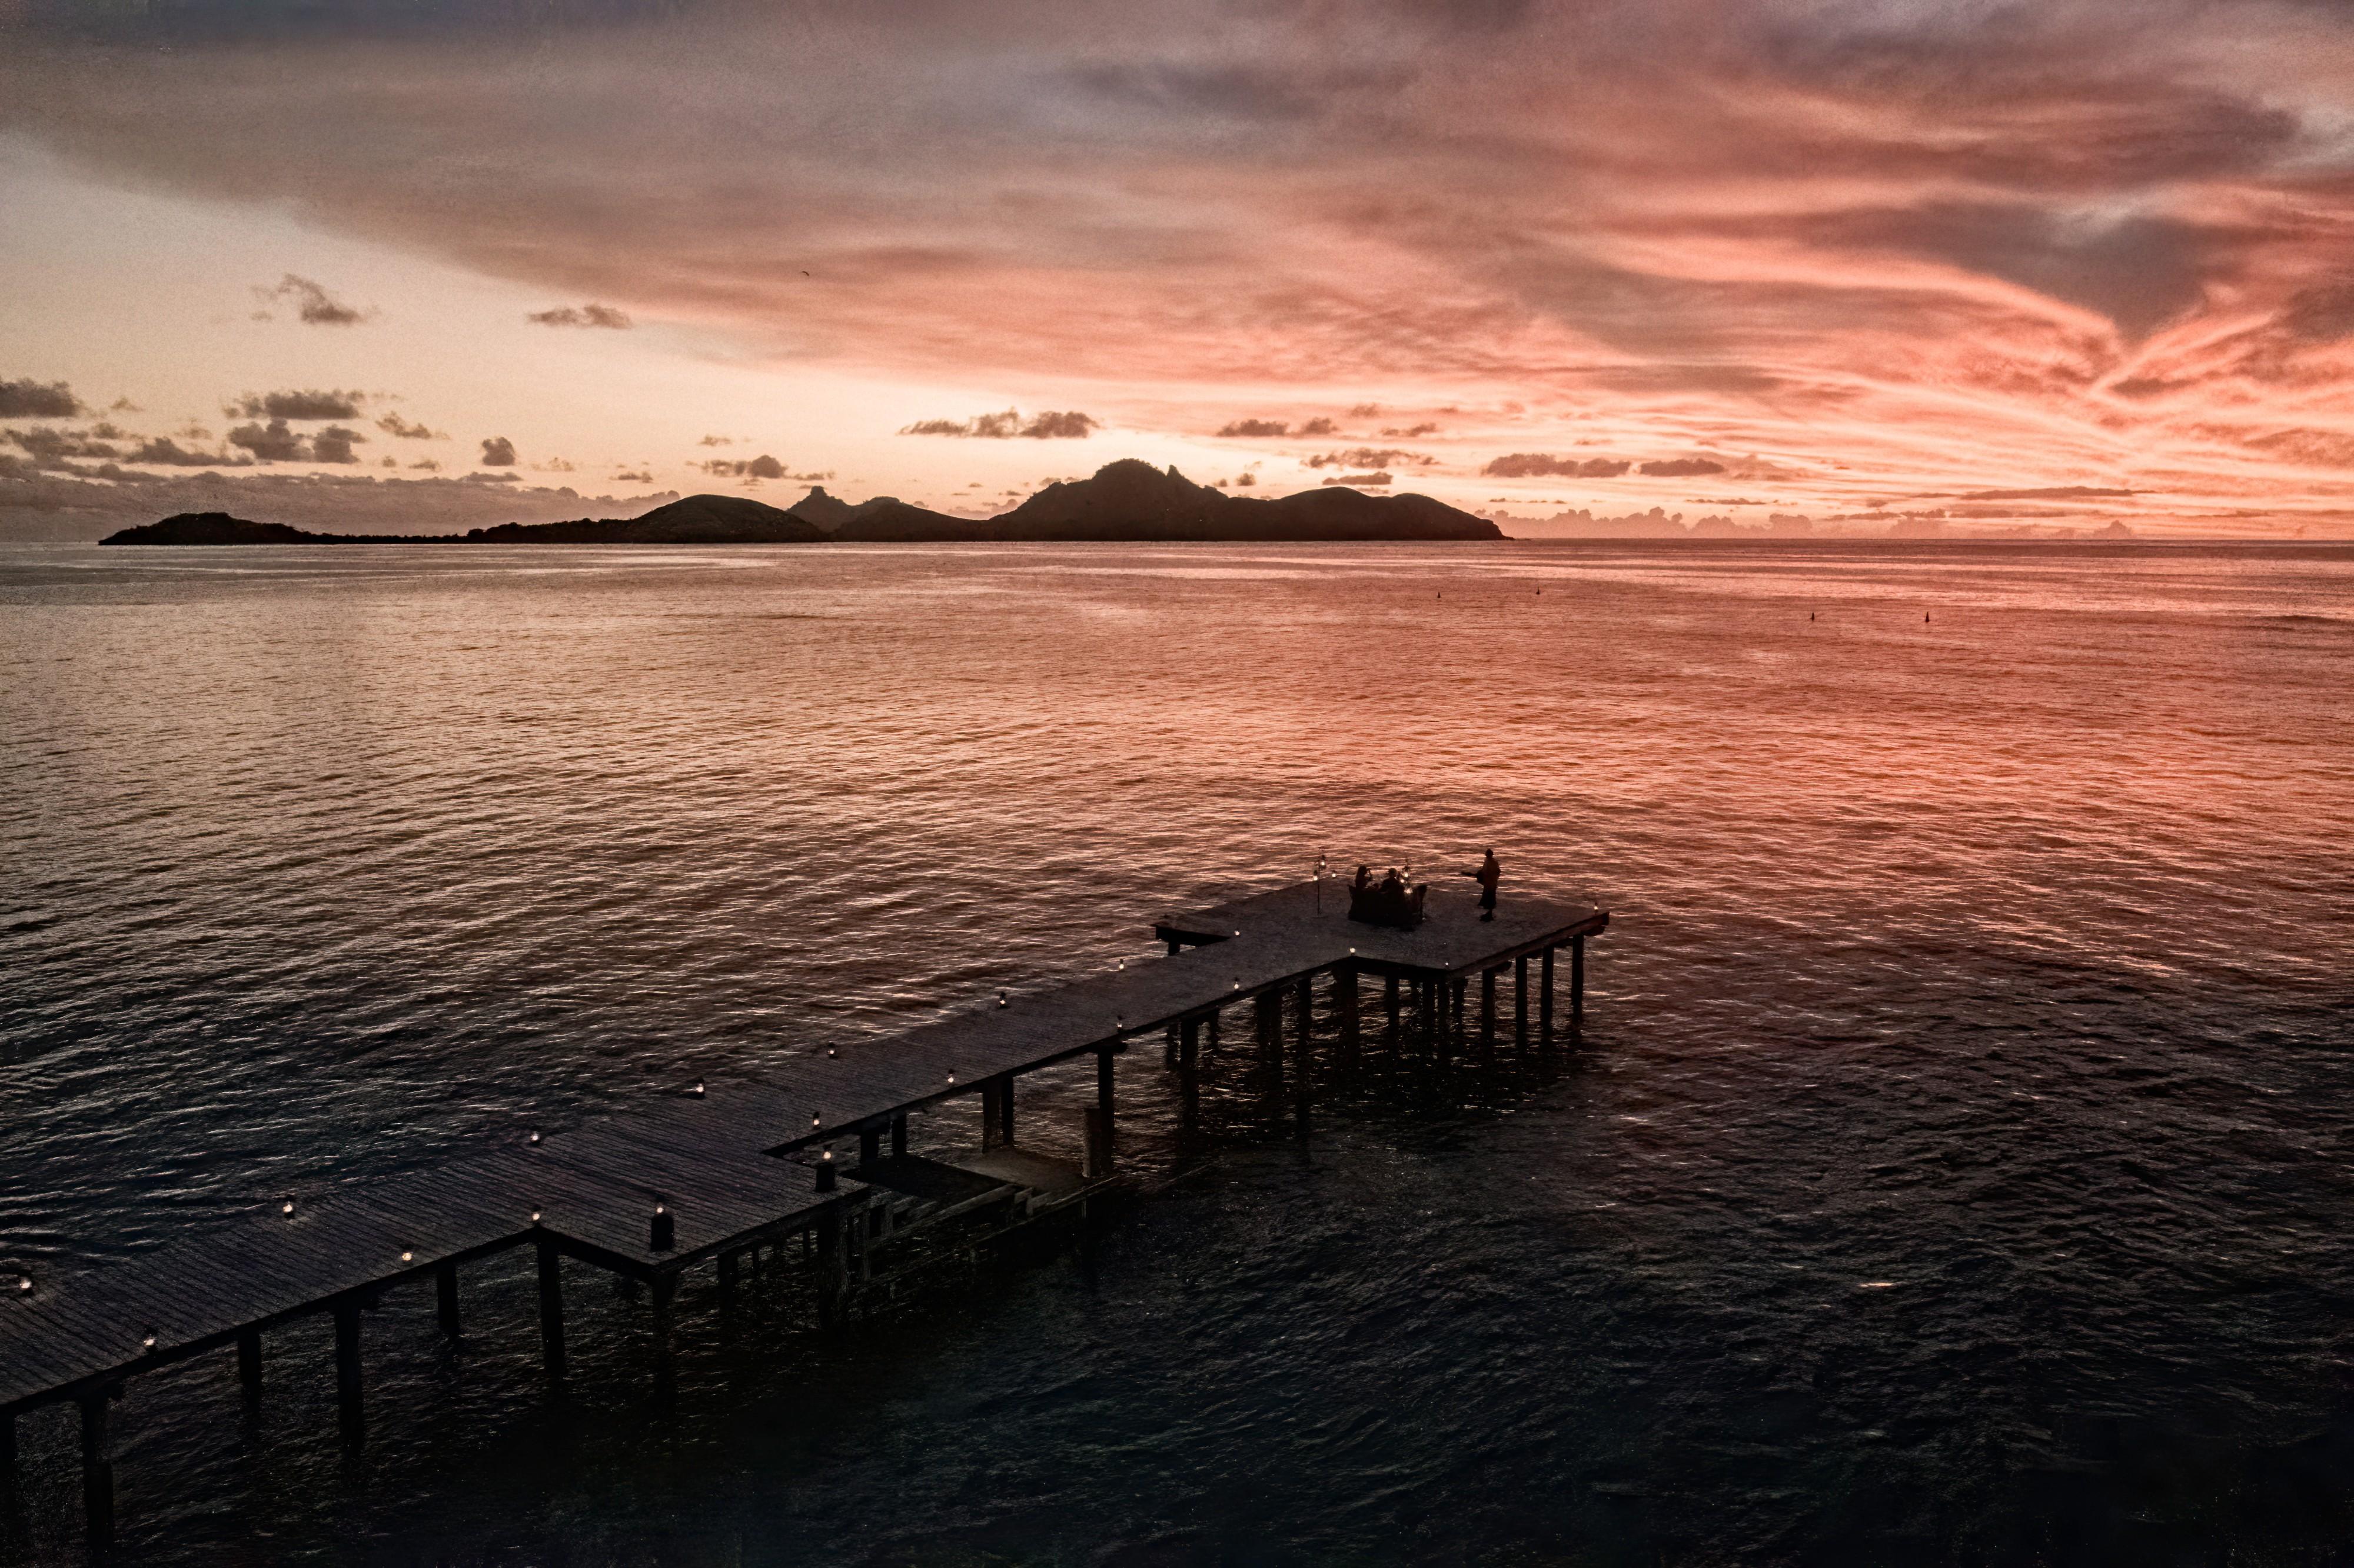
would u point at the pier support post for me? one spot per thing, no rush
(445, 1298)
(1099, 1119)
(97, 1471)
(1576, 984)
(1544, 1001)
(1175, 948)
(1006, 1110)
(993, 1117)
(830, 1280)
(664, 1286)
(899, 1135)
(1345, 1005)
(1306, 1019)
(1188, 1084)
(1487, 1011)
(551, 1307)
(1521, 1001)
(1268, 1006)
(249, 1362)
(1389, 1002)
(870, 1145)
(350, 1414)
(1211, 1038)
(727, 1276)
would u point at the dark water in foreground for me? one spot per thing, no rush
(1956, 1169)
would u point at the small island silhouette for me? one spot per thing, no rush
(1127, 500)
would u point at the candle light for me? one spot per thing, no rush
(535, 1216)
(698, 1086)
(148, 1343)
(287, 1207)
(408, 1258)
(535, 1138)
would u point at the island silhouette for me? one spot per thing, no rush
(1126, 501)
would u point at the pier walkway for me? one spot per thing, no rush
(716, 1170)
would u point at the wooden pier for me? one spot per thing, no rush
(717, 1171)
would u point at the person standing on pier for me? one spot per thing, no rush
(1487, 876)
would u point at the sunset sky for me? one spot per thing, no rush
(2051, 263)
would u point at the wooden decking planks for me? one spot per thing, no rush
(711, 1157)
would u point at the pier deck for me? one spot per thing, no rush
(720, 1167)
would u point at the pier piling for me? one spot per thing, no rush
(1521, 1001)
(97, 1470)
(1344, 1011)
(1188, 1085)
(1544, 1001)
(1576, 984)
(350, 1414)
(249, 1362)
(664, 1286)
(551, 1307)
(445, 1292)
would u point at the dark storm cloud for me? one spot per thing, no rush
(1005, 425)
(297, 405)
(1361, 479)
(1540, 465)
(31, 399)
(1680, 468)
(591, 315)
(498, 452)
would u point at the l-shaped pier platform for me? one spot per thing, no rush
(717, 1170)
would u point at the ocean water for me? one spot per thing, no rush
(1954, 1167)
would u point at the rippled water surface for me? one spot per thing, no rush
(1954, 1167)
